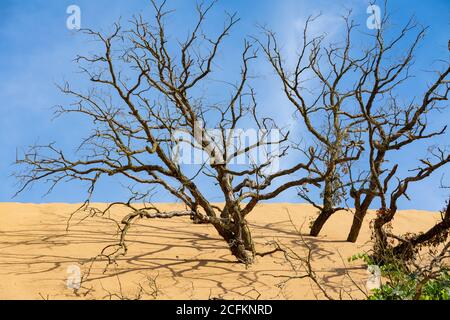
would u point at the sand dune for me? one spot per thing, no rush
(186, 261)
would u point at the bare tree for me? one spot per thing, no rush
(356, 92)
(323, 97)
(393, 124)
(146, 89)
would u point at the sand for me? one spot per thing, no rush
(176, 259)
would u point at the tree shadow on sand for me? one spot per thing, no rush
(188, 259)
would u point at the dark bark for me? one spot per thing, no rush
(381, 242)
(361, 208)
(320, 222)
(239, 240)
(327, 209)
(358, 219)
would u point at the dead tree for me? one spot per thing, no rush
(146, 89)
(391, 123)
(322, 95)
(347, 98)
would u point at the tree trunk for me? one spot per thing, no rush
(381, 242)
(327, 209)
(358, 219)
(320, 222)
(239, 241)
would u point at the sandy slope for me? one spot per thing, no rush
(187, 260)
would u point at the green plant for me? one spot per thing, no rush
(403, 285)
(409, 281)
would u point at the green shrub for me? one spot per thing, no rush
(400, 283)
(404, 286)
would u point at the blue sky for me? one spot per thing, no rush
(36, 51)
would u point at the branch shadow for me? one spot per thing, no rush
(177, 250)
